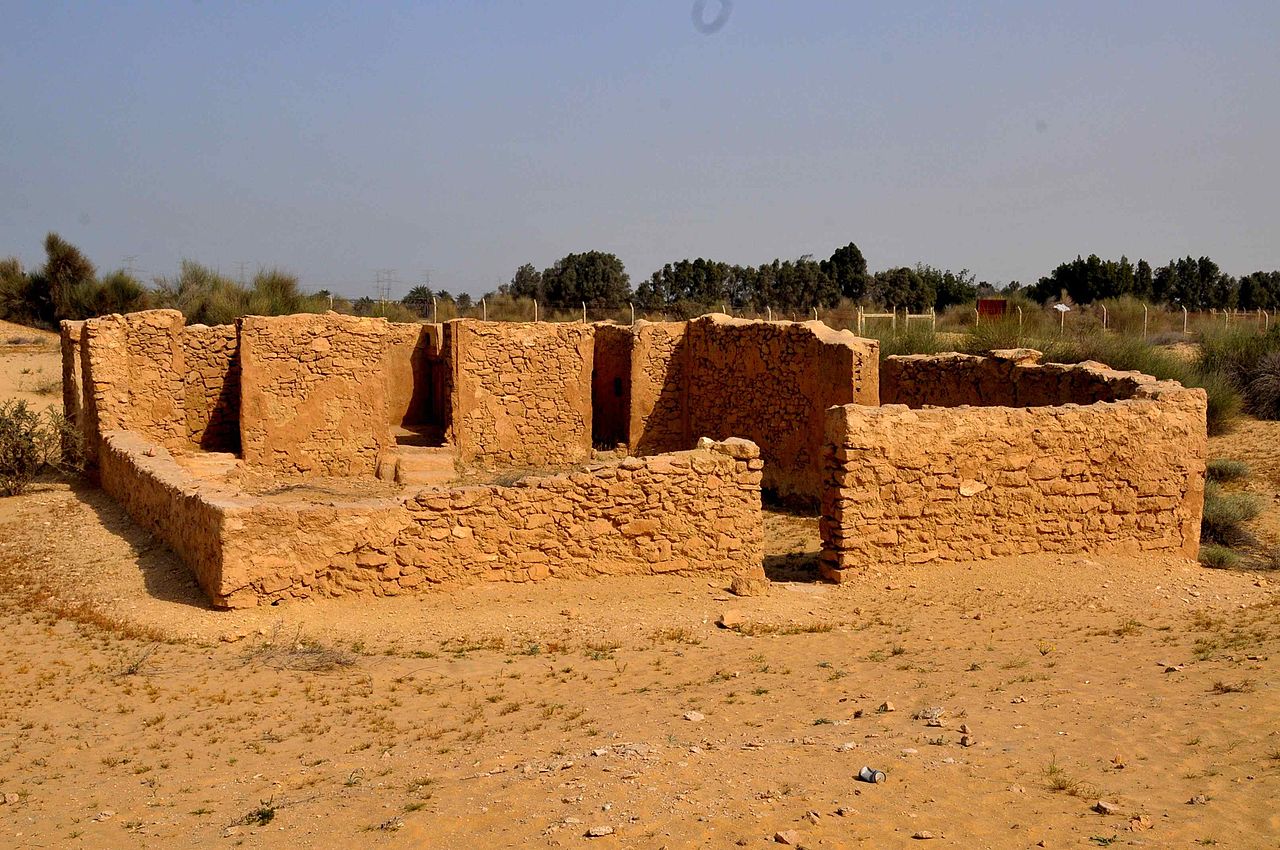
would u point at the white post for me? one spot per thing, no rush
(1062, 321)
(769, 311)
(722, 309)
(1104, 317)
(330, 300)
(893, 322)
(1144, 321)
(1266, 321)
(815, 314)
(535, 309)
(434, 315)
(584, 312)
(633, 312)
(484, 311)
(859, 320)
(1184, 318)
(977, 317)
(933, 319)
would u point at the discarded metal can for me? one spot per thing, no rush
(868, 774)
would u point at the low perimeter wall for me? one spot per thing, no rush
(961, 483)
(683, 512)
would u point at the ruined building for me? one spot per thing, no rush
(294, 456)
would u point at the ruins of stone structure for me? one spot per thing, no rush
(313, 455)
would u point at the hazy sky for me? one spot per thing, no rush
(467, 138)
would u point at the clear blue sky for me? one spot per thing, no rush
(467, 138)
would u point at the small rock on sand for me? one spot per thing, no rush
(1102, 807)
(731, 619)
(694, 716)
(787, 836)
(599, 831)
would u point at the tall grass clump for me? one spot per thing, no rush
(1128, 353)
(1225, 513)
(1222, 469)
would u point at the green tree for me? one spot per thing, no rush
(948, 287)
(595, 278)
(525, 283)
(847, 269)
(903, 288)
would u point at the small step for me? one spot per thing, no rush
(420, 465)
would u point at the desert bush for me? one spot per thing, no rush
(918, 339)
(1260, 383)
(1224, 469)
(1132, 353)
(32, 443)
(1219, 557)
(1225, 512)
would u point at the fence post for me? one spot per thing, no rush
(1019, 309)
(977, 317)
(815, 314)
(723, 310)
(769, 311)
(1144, 321)
(484, 311)
(1062, 322)
(893, 322)
(859, 320)
(933, 319)
(584, 312)
(633, 312)
(1184, 318)
(1104, 317)
(535, 309)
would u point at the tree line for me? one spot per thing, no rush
(1197, 284)
(69, 286)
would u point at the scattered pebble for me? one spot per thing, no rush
(922, 835)
(599, 831)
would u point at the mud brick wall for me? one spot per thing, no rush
(1009, 378)
(69, 333)
(133, 369)
(771, 382)
(943, 484)
(611, 385)
(520, 392)
(412, 372)
(211, 399)
(688, 512)
(313, 396)
(658, 421)
(161, 497)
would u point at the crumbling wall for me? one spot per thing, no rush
(658, 420)
(72, 375)
(313, 396)
(133, 369)
(413, 350)
(945, 484)
(1009, 378)
(211, 398)
(611, 385)
(693, 511)
(520, 392)
(161, 497)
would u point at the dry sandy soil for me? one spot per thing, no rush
(132, 715)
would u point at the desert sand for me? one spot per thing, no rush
(1003, 700)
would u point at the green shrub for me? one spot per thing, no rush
(1224, 469)
(31, 443)
(1224, 513)
(1219, 557)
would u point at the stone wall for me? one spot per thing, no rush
(946, 484)
(1010, 378)
(133, 369)
(162, 497)
(72, 375)
(211, 398)
(769, 382)
(313, 396)
(611, 385)
(694, 511)
(521, 392)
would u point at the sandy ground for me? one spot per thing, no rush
(30, 366)
(132, 715)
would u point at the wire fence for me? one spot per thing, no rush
(1130, 318)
